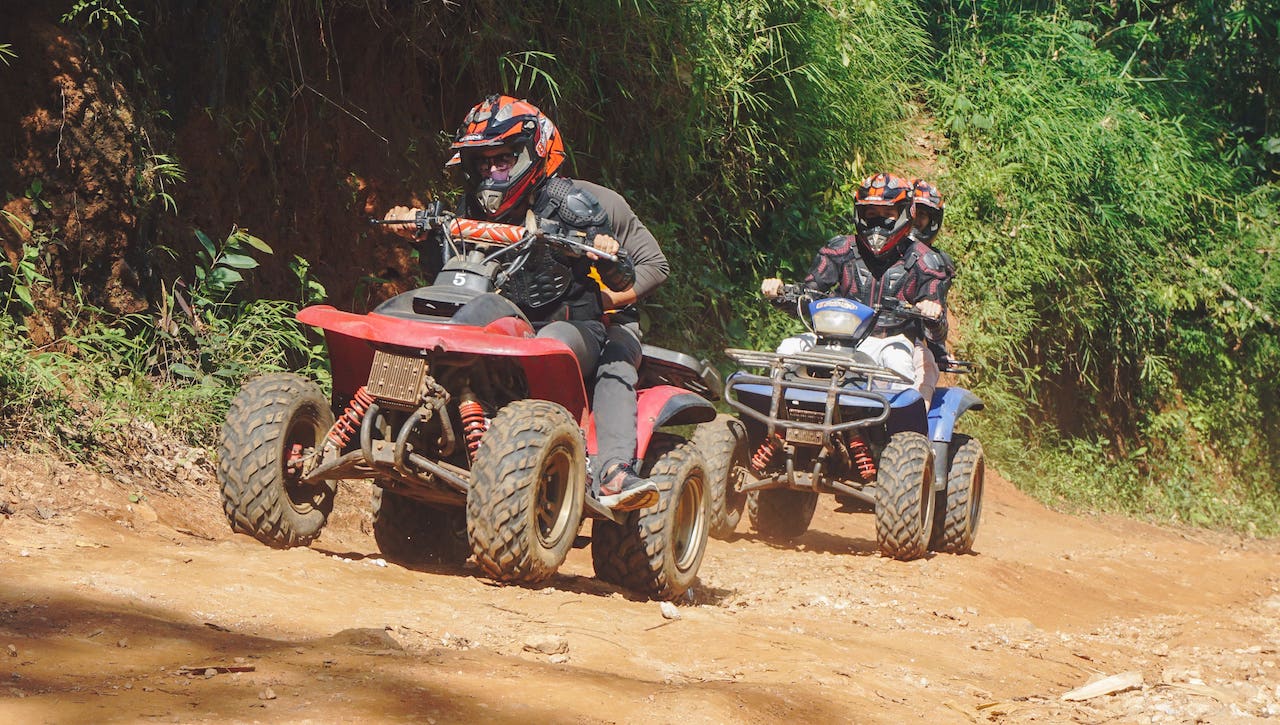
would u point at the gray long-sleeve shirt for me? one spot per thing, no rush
(651, 264)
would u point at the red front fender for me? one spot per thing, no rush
(549, 365)
(656, 407)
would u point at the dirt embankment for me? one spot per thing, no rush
(125, 597)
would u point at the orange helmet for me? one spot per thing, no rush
(883, 204)
(533, 138)
(926, 204)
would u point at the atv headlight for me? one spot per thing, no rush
(840, 318)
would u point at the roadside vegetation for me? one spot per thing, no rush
(1110, 174)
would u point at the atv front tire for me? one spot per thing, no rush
(960, 506)
(656, 551)
(904, 497)
(781, 513)
(527, 489)
(723, 443)
(273, 418)
(412, 532)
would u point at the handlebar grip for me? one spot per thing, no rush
(604, 256)
(491, 232)
(906, 309)
(423, 220)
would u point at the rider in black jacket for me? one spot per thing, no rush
(509, 153)
(882, 260)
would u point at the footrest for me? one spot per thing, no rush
(597, 510)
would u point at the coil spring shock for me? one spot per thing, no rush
(474, 424)
(351, 418)
(862, 458)
(765, 452)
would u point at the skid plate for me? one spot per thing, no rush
(397, 379)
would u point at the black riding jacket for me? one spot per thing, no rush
(917, 272)
(554, 286)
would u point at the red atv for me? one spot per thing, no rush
(475, 433)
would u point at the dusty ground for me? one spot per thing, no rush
(114, 609)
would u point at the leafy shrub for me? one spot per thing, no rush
(179, 368)
(1136, 350)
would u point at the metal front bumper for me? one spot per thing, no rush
(836, 389)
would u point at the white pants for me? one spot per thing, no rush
(912, 360)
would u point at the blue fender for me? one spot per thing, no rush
(906, 413)
(948, 405)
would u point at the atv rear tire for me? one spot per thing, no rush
(780, 513)
(413, 532)
(904, 496)
(960, 506)
(723, 443)
(656, 551)
(527, 489)
(272, 418)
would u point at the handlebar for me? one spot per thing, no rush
(906, 309)
(483, 232)
(793, 293)
(797, 294)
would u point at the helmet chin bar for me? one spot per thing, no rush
(881, 236)
(490, 199)
(877, 242)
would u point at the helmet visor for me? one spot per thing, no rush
(497, 166)
(491, 164)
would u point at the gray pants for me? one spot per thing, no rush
(615, 397)
(609, 358)
(584, 338)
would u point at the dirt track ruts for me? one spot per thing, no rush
(104, 601)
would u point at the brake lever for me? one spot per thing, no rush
(574, 244)
(423, 219)
(898, 307)
(958, 367)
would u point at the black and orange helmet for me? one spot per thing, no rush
(926, 211)
(883, 204)
(506, 121)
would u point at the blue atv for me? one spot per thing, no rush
(833, 420)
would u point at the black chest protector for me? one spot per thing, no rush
(550, 285)
(871, 282)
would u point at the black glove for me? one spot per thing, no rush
(619, 275)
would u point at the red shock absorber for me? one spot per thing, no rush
(474, 424)
(765, 452)
(351, 418)
(862, 458)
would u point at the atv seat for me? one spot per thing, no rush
(661, 366)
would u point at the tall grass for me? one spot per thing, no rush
(1098, 229)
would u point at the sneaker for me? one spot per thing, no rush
(623, 490)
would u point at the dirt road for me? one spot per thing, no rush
(114, 609)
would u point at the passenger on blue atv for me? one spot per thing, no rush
(509, 153)
(926, 221)
(882, 260)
